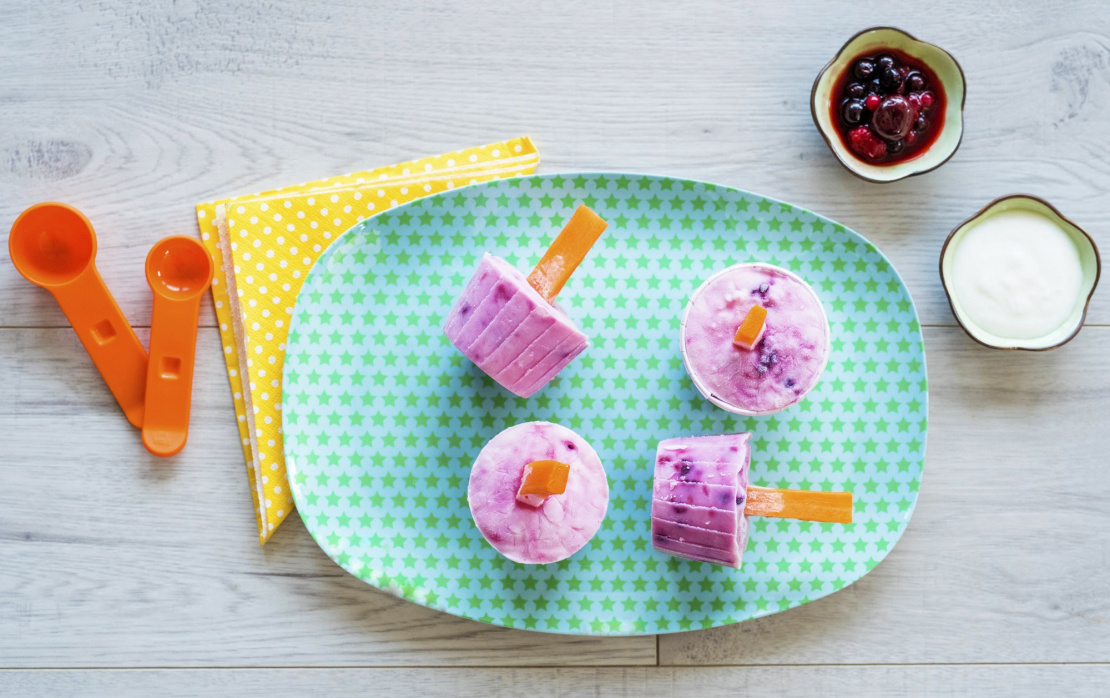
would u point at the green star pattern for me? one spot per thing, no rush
(383, 418)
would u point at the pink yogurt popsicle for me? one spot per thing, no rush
(560, 526)
(509, 331)
(697, 509)
(510, 326)
(782, 367)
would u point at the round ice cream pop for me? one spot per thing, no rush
(755, 339)
(702, 499)
(538, 492)
(510, 326)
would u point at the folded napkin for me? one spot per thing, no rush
(264, 245)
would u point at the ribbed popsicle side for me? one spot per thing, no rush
(701, 485)
(509, 331)
(475, 291)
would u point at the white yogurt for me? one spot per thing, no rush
(1017, 275)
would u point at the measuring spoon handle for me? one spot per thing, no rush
(169, 378)
(108, 338)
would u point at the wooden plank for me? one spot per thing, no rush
(168, 105)
(1005, 558)
(113, 557)
(982, 681)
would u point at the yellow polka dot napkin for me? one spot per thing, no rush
(263, 246)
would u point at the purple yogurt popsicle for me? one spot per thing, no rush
(509, 331)
(564, 523)
(782, 367)
(697, 509)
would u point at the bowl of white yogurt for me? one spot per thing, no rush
(1019, 275)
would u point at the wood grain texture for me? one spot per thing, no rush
(982, 681)
(135, 111)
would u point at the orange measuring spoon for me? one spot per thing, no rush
(179, 271)
(54, 246)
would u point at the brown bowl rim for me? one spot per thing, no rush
(1056, 211)
(837, 55)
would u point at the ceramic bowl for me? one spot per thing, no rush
(1090, 264)
(948, 71)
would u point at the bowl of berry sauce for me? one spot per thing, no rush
(890, 106)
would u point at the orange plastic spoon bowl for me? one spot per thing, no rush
(179, 271)
(53, 246)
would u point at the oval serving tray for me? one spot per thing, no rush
(383, 417)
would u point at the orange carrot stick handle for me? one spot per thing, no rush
(566, 253)
(805, 505)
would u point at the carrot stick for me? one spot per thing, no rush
(566, 253)
(833, 507)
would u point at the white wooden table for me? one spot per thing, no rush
(125, 574)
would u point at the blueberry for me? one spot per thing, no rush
(770, 358)
(863, 69)
(851, 110)
(761, 369)
(895, 147)
(740, 499)
(570, 445)
(856, 90)
(789, 383)
(915, 82)
(891, 79)
(875, 86)
(685, 469)
(921, 124)
(886, 62)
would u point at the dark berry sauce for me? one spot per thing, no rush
(888, 107)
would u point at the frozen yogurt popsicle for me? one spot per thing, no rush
(526, 524)
(510, 326)
(768, 370)
(702, 498)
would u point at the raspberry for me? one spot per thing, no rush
(866, 144)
